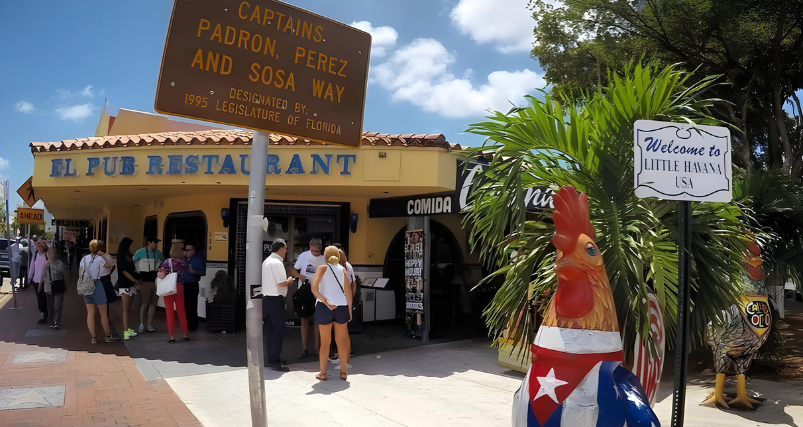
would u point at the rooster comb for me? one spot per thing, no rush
(571, 219)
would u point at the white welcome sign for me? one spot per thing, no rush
(677, 161)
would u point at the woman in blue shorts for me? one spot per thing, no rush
(93, 265)
(332, 307)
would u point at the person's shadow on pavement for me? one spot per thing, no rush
(329, 386)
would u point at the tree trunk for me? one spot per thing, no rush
(774, 160)
(783, 134)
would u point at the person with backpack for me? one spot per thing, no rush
(330, 284)
(89, 274)
(53, 286)
(303, 299)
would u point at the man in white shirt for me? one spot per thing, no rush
(274, 289)
(15, 262)
(304, 270)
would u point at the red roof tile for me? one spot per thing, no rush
(230, 137)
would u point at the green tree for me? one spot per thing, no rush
(757, 45)
(589, 144)
(3, 224)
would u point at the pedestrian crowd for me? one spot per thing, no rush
(324, 297)
(44, 266)
(326, 289)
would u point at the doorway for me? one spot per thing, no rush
(446, 281)
(187, 226)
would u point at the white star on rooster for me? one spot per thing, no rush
(548, 385)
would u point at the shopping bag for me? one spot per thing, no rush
(167, 286)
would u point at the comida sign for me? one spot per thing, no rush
(536, 199)
(30, 216)
(675, 161)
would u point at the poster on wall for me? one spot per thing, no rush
(414, 282)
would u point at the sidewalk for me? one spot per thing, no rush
(441, 385)
(58, 378)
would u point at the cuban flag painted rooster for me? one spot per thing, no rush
(576, 379)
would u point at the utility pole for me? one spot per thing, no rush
(253, 279)
(8, 246)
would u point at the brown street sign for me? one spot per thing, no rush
(265, 65)
(30, 216)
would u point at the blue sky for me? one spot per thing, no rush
(436, 65)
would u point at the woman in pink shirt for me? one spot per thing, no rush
(35, 276)
(175, 264)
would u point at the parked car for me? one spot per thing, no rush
(5, 262)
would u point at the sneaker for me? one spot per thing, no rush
(126, 335)
(131, 332)
(141, 327)
(348, 366)
(333, 359)
(151, 328)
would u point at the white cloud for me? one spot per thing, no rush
(3, 163)
(87, 91)
(382, 38)
(419, 74)
(24, 107)
(75, 112)
(507, 24)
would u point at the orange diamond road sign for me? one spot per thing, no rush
(27, 193)
(265, 65)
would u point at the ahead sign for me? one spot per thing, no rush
(265, 65)
(30, 216)
(675, 161)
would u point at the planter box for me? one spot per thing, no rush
(220, 317)
(516, 361)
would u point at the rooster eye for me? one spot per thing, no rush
(591, 249)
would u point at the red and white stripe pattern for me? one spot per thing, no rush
(645, 367)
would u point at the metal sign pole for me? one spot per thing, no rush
(8, 246)
(684, 297)
(253, 279)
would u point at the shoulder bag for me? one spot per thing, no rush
(86, 286)
(304, 300)
(56, 286)
(353, 306)
(167, 286)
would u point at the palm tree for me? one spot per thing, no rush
(589, 144)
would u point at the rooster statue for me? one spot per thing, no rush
(737, 341)
(576, 379)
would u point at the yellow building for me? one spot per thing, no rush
(147, 175)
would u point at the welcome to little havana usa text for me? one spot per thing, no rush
(202, 164)
(252, 104)
(708, 163)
